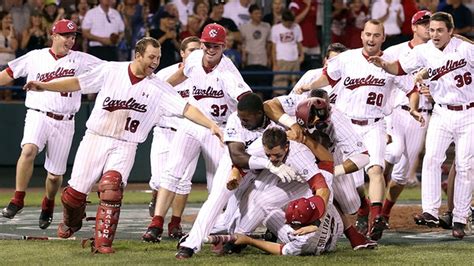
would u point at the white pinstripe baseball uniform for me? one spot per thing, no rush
(269, 193)
(163, 134)
(219, 195)
(450, 80)
(407, 134)
(49, 120)
(216, 94)
(316, 243)
(125, 110)
(309, 77)
(345, 143)
(363, 99)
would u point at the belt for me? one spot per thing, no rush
(170, 128)
(365, 122)
(54, 116)
(421, 110)
(458, 107)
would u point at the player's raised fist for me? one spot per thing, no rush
(32, 86)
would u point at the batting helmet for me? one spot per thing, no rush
(308, 109)
(301, 212)
(213, 33)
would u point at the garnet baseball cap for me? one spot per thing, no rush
(213, 33)
(64, 26)
(301, 212)
(421, 17)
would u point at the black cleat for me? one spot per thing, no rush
(269, 236)
(458, 230)
(175, 232)
(446, 220)
(184, 253)
(362, 224)
(11, 210)
(153, 234)
(230, 248)
(426, 219)
(45, 219)
(377, 228)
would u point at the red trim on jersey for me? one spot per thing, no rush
(316, 182)
(318, 201)
(281, 248)
(410, 45)
(326, 166)
(400, 71)
(415, 89)
(365, 152)
(330, 80)
(367, 56)
(56, 56)
(9, 72)
(133, 79)
(242, 95)
(209, 69)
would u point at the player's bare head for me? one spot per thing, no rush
(334, 49)
(189, 45)
(372, 37)
(147, 55)
(420, 23)
(319, 93)
(441, 29)
(250, 111)
(275, 144)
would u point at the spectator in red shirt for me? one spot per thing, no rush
(305, 15)
(339, 19)
(357, 16)
(193, 28)
(409, 9)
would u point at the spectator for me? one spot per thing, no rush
(391, 14)
(104, 28)
(231, 52)
(216, 16)
(80, 44)
(357, 16)
(339, 14)
(19, 12)
(192, 29)
(305, 15)
(132, 14)
(287, 50)
(201, 9)
(82, 7)
(51, 13)
(275, 16)
(185, 9)
(409, 9)
(35, 36)
(431, 5)
(255, 39)
(462, 16)
(238, 11)
(167, 36)
(8, 46)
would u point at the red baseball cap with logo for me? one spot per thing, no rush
(301, 212)
(421, 17)
(213, 33)
(64, 26)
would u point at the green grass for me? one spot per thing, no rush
(139, 253)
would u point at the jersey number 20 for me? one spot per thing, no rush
(375, 99)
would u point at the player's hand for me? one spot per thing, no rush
(295, 133)
(242, 239)
(215, 130)
(377, 61)
(425, 90)
(285, 173)
(33, 86)
(305, 230)
(302, 89)
(234, 179)
(418, 117)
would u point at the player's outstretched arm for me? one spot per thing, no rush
(390, 67)
(322, 81)
(352, 164)
(275, 112)
(177, 78)
(62, 85)
(195, 115)
(270, 247)
(414, 101)
(319, 151)
(5, 78)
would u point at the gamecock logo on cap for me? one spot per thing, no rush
(70, 25)
(213, 33)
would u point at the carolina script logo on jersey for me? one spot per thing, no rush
(198, 94)
(184, 93)
(131, 104)
(370, 80)
(450, 65)
(58, 73)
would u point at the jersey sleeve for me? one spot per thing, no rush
(302, 160)
(295, 246)
(233, 129)
(191, 62)
(413, 60)
(334, 67)
(19, 66)
(234, 83)
(92, 81)
(171, 101)
(88, 62)
(289, 102)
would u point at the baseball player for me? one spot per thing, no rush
(303, 233)
(448, 64)
(49, 121)
(163, 134)
(349, 153)
(406, 133)
(217, 87)
(243, 127)
(367, 89)
(129, 103)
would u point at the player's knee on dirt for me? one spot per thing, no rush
(74, 203)
(108, 213)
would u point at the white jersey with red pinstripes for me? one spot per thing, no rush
(43, 65)
(123, 110)
(339, 130)
(366, 87)
(450, 70)
(215, 93)
(399, 97)
(235, 132)
(309, 77)
(183, 89)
